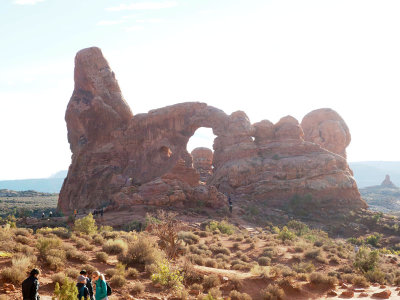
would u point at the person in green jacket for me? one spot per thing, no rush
(101, 287)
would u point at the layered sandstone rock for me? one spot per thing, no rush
(121, 160)
(326, 128)
(202, 162)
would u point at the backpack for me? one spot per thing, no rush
(81, 294)
(109, 290)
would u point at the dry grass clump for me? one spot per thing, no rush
(117, 281)
(188, 237)
(102, 257)
(357, 280)
(75, 255)
(84, 244)
(132, 273)
(235, 295)
(23, 240)
(272, 292)
(137, 288)
(312, 254)
(60, 232)
(72, 273)
(51, 252)
(110, 272)
(270, 252)
(211, 263)
(142, 252)
(89, 268)
(98, 240)
(117, 246)
(303, 267)
(19, 267)
(322, 279)
(220, 249)
(58, 277)
(23, 232)
(211, 281)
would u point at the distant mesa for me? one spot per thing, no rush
(388, 183)
(120, 159)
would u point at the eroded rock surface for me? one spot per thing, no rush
(202, 162)
(122, 160)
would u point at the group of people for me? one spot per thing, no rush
(50, 214)
(84, 287)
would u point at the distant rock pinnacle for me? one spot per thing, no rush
(388, 183)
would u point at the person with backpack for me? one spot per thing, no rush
(30, 286)
(83, 291)
(103, 290)
(88, 283)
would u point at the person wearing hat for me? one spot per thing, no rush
(83, 292)
(88, 283)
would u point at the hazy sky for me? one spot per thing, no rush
(267, 58)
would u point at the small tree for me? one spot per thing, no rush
(86, 225)
(166, 228)
(68, 290)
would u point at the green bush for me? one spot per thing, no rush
(366, 260)
(299, 227)
(86, 225)
(167, 276)
(67, 291)
(223, 227)
(286, 234)
(373, 239)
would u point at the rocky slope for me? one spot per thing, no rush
(384, 197)
(121, 160)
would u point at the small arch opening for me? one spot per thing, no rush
(165, 152)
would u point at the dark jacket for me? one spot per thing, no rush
(89, 286)
(83, 291)
(30, 287)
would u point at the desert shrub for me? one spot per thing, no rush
(360, 281)
(272, 292)
(137, 288)
(220, 249)
(55, 259)
(115, 246)
(375, 275)
(319, 278)
(132, 273)
(270, 252)
(110, 272)
(82, 243)
(73, 254)
(22, 239)
(167, 276)
(196, 287)
(298, 227)
(72, 273)
(86, 225)
(313, 253)
(366, 260)
(141, 252)
(235, 295)
(45, 244)
(300, 247)
(285, 234)
(23, 231)
(188, 237)
(98, 240)
(58, 277)
(211, 263)
(117, 281)
(303, 267)
(190, 274)
(373, 239)
(17, 272)
(223, 227)
(264, 261)
(67, 291)
(235, 246)
(211, 281)
(321, 259)
(214, 293)
(302, 277)
(334, 260)
(102, 257)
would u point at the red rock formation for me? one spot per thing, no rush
(120, 159)
(202, 162)
(326, 128)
